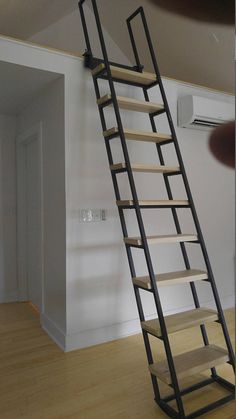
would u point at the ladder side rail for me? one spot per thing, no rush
(132, 186)
(189, 194)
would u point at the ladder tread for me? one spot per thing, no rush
(191, 363)
(144, 78)
(181, 321)
(144, 203)
(172, 278)
(132, 104)
(137, 135)
(146, 168)
(171, 238)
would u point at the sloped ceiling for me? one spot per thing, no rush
(23, 18)
(188, 50)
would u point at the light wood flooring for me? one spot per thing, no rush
(39, 381)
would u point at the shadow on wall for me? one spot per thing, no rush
(98, 286)
(8, 275)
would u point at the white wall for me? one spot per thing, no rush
(100, 299)
(48, 108)
(8, 277)
(90, 295)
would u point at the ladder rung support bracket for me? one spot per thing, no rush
(100, 74)
(111, 137)
(121, 170)
(173, 173)
(155, 83)
(161, 143)
(157, 113)
(105, 104)
(135, 246)
(143, 288)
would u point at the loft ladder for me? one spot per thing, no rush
(209, 356)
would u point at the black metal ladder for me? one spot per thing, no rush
(208, 356)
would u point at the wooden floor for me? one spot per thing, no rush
(38, 381)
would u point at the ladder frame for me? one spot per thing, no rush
(92, 62)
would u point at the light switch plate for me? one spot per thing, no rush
(89, 215)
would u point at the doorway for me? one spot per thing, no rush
(30, 216)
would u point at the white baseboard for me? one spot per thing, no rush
(228, 302)
(8, 297)
(109, 333)
(104, 334)
(53, 331)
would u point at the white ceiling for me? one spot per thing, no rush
(19, 85)
(188, 50)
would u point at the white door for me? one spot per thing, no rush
(30, 244)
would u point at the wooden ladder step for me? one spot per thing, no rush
(132, 76)
(132, 104)
(145, 168)
(135, 135)
(172, 238)
(181, 321)
(171, 278)
(158, 203)
(191, 363)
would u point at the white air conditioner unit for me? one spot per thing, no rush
(204, 114)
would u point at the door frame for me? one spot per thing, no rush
(35, 133)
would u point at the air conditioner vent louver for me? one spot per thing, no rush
(204, 114)
(202, 123)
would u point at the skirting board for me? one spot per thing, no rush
(56, 334)
(105, 334)
(8, 297)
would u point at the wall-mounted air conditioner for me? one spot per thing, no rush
(201, 113)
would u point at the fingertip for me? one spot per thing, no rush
(222, 144)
